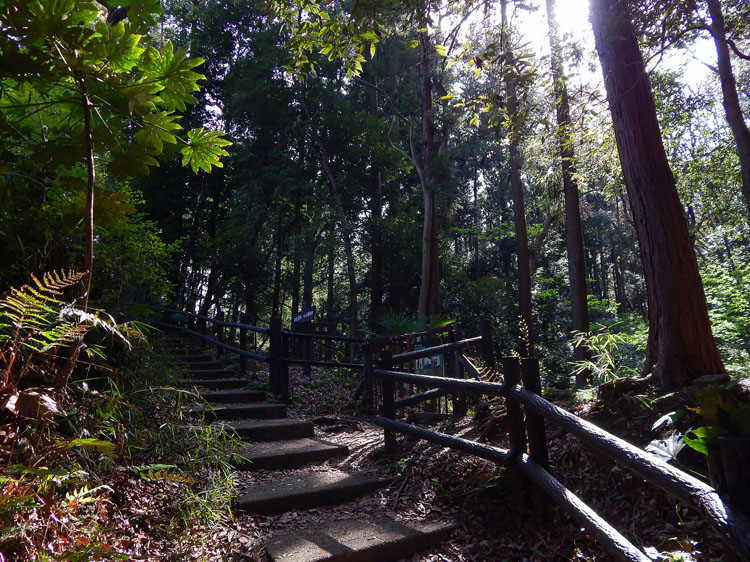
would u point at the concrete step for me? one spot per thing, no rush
(196, 357)
(306, 490)
(258, 411)
(378, 540)
(290, 454)
(216, 384)
(212, 374)
(273, 430)
(205, 365)
(233, 396)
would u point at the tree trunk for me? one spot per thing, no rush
(276, 295)
(519, 207)
(330, 278)
(307, 274)
(730, 100)
(680, 345)
(88, 143)
(376, 228)
(573, 229)
(296, 251)
(346, 233)
(429, 288)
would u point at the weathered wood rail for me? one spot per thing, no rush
(527, 412)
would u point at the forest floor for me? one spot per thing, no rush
(431, 482)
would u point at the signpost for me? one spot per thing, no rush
(305, 315)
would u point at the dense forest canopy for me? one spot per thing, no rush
(401, 160)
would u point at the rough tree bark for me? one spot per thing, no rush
(730, 99)
(680, 344)
(345, 226)
(573, 230)
(429, 289)
(519, 208)
(376, 227)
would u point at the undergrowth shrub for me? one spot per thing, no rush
(93, 436)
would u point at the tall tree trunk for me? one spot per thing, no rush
(296, 261)
(330, 278)
(376, 227)
(429, 288)
(730, 99)
(346, 231)
(573, 229)
(88, 221)
(276, 295)
(680, 345)
(519, 208)
(309, 268)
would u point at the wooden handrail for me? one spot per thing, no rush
(732, 525)
(436, 350)
(608, 536)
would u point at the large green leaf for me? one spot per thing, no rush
(171, 71)
(204, 149)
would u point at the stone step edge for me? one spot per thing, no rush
(273, 429)
(376, 540)
(308, 491)
(292, 453)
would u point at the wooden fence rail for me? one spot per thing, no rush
(278, 355)
(527, 412)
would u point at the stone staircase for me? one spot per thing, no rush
(283, 443)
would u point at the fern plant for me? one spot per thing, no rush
(43, 334)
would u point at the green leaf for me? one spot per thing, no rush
(705, 438)
(442, 50)
(172, 74)
(157, 129)
(104, 447)
(204, 150)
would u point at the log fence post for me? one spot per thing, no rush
(516, 429)
(243, 343)
(388, 407)
(284, 368)
(367, 375)
(488, 351)
(274, 353)
(535, 422)
(516, 432)
(219, 332)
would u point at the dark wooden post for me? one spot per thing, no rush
(306, 349)
(243, 343)
(190, 312)
(388, 408)
(516, 430)
(202, 329)
(534, 422)
(284, 368)
(219, 332)
(367, 375)
(488, 351)
(460, 406)
(274, 354)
